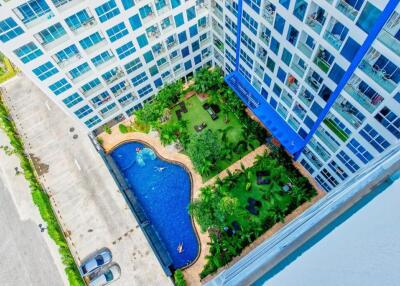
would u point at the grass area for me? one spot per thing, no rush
(233, 127)
(227, 201)
(333, 126)
(7, 71)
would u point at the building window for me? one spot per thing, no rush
(250, 23)
(67, 53)
(72, 100)
(91, 40)
(338, 170)
(83, 111)
(145, 90)
(117, 32)
(28, 52)
(135, 22)
(307, 166)
(90, 85)
(193, 31)
(331, 179)
(142, 40)
(389, 120)
(9, 30)
(60, 86)
(148, 56)
(79, 70)
(279, 24)
(179, 21)
(374, 138)
(92, 121)
(191, 13)
(125, 50)
(50, 34)
(274, 46)
(133, 65)
(175, 3)
(78, 20)
(323, 183)
(127, 4)
(359, 151)
(347, 161)
(246, 41)
(139, 79)
(254, 4)
(103, 57)
(247, 59)
(107, 10)
(45, 71)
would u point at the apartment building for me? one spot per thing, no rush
(323, 76)
(101, 60)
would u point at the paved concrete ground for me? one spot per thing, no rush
(92, 210)
(27, 256)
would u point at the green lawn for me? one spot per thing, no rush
(197, 115)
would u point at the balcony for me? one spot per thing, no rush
(50, 45)
(312, 158)
(201, 5)
(321, 151)
(162, 7)
(33, 18)
(219, 45)
(388, 34)
(158, 50)
(218, 29)
(63, 5)
(109, 112)
(84, 26)
(265, 36)
(294, 123)
(348, 112)
(348, 10)
(67, 62)
(153, 32)
(118, 73)
(306, 97)
(292, 83)
(316, 18)
(369, 103)
(331, 124)
(217, 10)
(300, 70)
(262, 54)
(381, 75)
(327, 139)
(99, 101)
(166, 24)
(91, 91)
(287, 98)
(147, 13)
(335, 34)
(268, 12)
(259, 70)
(121, 90)
(314, 80)
(323, 60)
(299, 110)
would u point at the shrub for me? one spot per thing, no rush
(107, 129)
(179, 278)
(123, 129)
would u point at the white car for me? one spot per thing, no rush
(107, 275)
(95, 261)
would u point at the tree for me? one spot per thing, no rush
(179, 278)
(206, 80)
(204, 149)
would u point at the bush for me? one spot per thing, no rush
(123, 129)
(107, 129)
(179, 278)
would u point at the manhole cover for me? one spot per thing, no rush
(75, 136)
(72, 129)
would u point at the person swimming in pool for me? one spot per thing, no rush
(138, 149)
(180, 247)
(160, 169)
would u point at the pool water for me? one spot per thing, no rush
(163, 189)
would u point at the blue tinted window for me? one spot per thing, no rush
(182, 37)
(72, 100)
(158, 82)
(190, 13)
(9, 30)
(254, 4)
(193, 31)
(197, 59)
(125, 50)
(185, 52)
(281, 75)
(107, 10)
(195, 45)
(350, 49)
(309, 122)
(83, 111)
(135, 22)
(374, 138)
(179, 20)
(128, 4)
(117, 32)
(148, 57)
(267, 80)
(285, 3)
(274, 45)
(279, 23)
(142, 40)
(316, 108)
(368, 17)
(286, 57)
(188, 65)
(175, 3)
(359, 151)
(45, 71)
(28, 52)
(300, 9)
(60, 86)
(336, 73)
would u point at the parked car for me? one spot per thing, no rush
(106, 276)
(95, 261)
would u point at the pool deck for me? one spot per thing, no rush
(116, 138)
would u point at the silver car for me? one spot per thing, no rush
(95, 261)
(107, 275)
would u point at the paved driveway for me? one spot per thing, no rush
(92, 210)
(27, 256)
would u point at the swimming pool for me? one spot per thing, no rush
(163, 189)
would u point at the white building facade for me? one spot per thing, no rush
(323, 76)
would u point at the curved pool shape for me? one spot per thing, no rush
(163, 189)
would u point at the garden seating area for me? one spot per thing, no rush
(236, 210)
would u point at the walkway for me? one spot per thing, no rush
(93, 212)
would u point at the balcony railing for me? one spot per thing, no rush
(347, 9)
(369, 104)
(378, 75)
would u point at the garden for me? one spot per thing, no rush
(239, 208)
(207, 120)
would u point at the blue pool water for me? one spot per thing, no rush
(164, 195)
